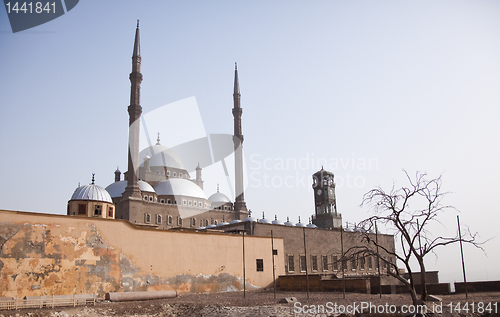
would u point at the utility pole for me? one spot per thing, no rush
(244, 277)
(342, 261)
(462, 253)
(274, 271)
(305, 255)
(378, 263)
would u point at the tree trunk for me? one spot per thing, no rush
(423, 280)
(409, 285)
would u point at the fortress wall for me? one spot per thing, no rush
(44, 254)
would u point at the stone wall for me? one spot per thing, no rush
(317, 284)
(433, 289)
(483, 286)
(44, 254)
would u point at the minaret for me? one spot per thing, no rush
(199, 181)
(131, 204)
(134, 111)
(239, 204)
(117, 174)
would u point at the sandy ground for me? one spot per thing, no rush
(257, 304)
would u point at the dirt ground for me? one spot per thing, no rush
(262, 303)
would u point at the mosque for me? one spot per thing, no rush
(159, 193)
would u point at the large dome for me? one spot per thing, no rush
(161, 156)
(116, 189)
(91, 192)
(219, 198)
(179, 187)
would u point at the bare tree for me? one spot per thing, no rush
(408, 211)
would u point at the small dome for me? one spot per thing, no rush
(300, 224)
(145, 187)
(219, 198)
(201, 228)
(276, 221)
(235, 221)
(161, 156)
(264, 220)
(91, 192)
(210, 226)
(222, 224)
(252, 219)
(311, 225)
(288, 223)
(116, 189)
(179, 187)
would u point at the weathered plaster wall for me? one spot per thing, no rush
(53, 254)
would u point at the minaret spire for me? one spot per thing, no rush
(137, 43)
(236, 83)
(134, 111)
(239, 204)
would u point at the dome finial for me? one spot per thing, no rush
(158, 139)
(93, 180)
(299, 219)
(235, 66)
(137, 23)
(217, 187)
(263, 215)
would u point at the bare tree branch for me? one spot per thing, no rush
(408, 211)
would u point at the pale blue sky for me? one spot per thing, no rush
(411, 85)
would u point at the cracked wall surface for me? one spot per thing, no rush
(60, 255)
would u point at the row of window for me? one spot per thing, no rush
(150, 198)
(185, 202)
(169, 220)
(361, 263)
(82, 210)
(174, 174)
(168, 174)
(223, 208)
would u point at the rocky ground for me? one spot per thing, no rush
(257, 304)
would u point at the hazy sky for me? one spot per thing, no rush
(365, 88)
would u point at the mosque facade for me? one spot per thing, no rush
(160, 193)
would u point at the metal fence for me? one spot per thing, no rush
(46, 301)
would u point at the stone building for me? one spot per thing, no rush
(158, 190)
(91, 201)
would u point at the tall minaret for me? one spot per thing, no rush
(239, 204)
(134, 111)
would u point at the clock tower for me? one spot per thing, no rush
(325, 203)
